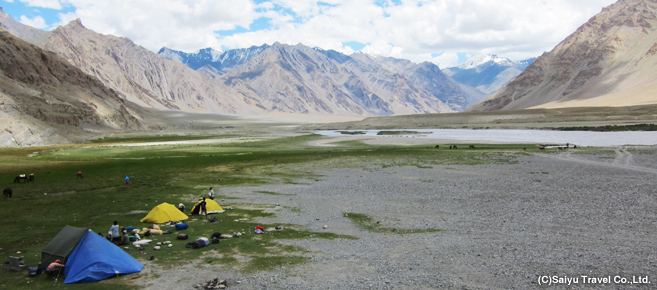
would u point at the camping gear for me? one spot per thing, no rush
(211, 205)
(181, 226)
(199, 243)
(129, 228)
(15, 264)
(163, 213)
(95, 259)
(182, 237)
(33, 271)
(141, 243)
(156, 232)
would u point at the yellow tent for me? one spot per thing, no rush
(163, 213)
(210, 205)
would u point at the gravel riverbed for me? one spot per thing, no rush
(502, 226)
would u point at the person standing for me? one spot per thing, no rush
(211, 193)
(114, 233)
(204, 209)
(127, 181)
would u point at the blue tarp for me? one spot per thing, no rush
(95, 259)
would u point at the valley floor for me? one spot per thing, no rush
(503, 225)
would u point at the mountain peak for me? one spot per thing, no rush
(76, 23)
(476, 61)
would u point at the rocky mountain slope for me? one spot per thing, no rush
(46, 100)
(488, 73)
(609, 61)
(311, 80)
(141, 76)
(25, 32)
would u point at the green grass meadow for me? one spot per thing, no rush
(179, 173)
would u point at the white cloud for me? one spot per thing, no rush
(52, 4)
(36, 22)
(414, 29)
(184, 25)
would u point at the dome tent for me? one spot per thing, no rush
(163, 213)
(210, 205)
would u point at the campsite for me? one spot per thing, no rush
(349, 215)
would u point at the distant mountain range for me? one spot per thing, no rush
(260, 80)
(72, 79)
(611, 60)
(487, 73)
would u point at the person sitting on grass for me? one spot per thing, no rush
(125, 240)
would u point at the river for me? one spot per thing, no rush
(579, 138)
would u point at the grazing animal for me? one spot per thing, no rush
(7, 192)
(18, 178)
(455, 147)
(437, 146)
(31, 178)
(471, 146)
(79, 175)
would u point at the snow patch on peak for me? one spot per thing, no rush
(476, 61)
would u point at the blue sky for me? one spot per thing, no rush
(445, 32)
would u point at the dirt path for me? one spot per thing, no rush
(624, 160)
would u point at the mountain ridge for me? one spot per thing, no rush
(45, 100)
(608, 61)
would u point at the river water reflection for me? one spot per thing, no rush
(580, 138)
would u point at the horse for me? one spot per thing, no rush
(437, 146)
(7, 192)
(471, 147)
(22, 177)
(79, 175)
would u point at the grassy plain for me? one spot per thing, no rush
(176, 173)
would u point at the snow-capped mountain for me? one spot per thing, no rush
(488, 73)
(210, 61)
(194, 60)
(476, 61)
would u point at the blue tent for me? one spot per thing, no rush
(95, 259)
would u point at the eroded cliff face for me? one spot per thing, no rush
(608, 61)
(139, 75)
(45, 100)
